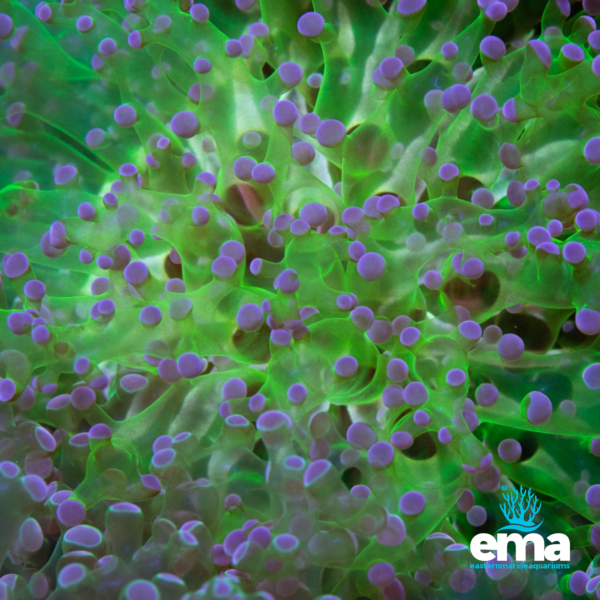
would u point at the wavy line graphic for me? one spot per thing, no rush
(521, 527)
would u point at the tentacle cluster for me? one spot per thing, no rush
(292, 292)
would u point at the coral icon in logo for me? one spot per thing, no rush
(520, 509)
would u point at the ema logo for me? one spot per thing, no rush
(520, 509)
